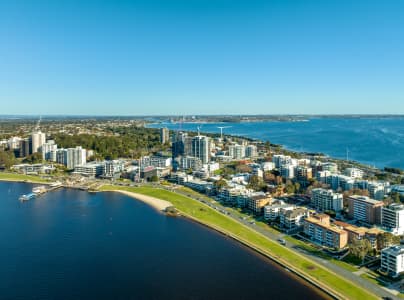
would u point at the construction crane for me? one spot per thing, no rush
(199, 127)
(221, 130)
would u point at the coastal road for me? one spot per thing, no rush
(373, 288)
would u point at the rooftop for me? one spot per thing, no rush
(366, 199)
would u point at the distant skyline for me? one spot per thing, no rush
(195, 57)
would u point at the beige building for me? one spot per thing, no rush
(319, 230)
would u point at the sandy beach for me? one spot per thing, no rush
(154, 202)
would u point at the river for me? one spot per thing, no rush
(69, 244)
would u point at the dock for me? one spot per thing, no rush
(40, 190)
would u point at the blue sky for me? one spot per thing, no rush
(201, 57)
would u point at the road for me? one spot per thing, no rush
(373, 288)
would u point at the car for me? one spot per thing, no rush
(282, 241)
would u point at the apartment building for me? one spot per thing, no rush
(365, 209)
(319, 230)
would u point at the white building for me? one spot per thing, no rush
(113, 168)
(377, 190)
(353, 172)
(48, 149)
(287, 171)
(323, 176)
(71, 157)
(251, 151)
(323, 200)
(164, 135)
(330, 166)
(393, 218)
(38, 139)
(200, 148)
(280, 160)
(237, 151)
(92, 169)
(14, 143)
(268, 166)
(156, 161)
(392, 260)
(190, 162)
(271, 212)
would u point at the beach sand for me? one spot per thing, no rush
(154, 202)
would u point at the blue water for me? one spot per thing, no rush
(73, 245)
(372, 141)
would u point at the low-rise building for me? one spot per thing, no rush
(392, 260)
(92, 169)
(319, 230)
(257, 202)
(393, 218)
(353, 172)
(272, 212)
(292, 220)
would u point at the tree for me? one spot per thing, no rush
(220, 184)
(290, 187)
(360, 248)
(154, 178)
(34, 158)
(254, 183)
(7, 159)
(386, 239)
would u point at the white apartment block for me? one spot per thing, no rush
(393, 218)
(353, 172)
(323, 200)
(392, 260)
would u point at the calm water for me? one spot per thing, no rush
(378, 142)
(73, 245)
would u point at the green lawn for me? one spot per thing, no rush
(211, 217)
(21, 177)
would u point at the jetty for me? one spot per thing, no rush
(40, 190)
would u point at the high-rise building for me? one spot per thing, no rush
(14, 143)
(25, 147)
(47, 149)
(71, 157)
(323, 200)
(164, 135)
(251, 151)
(38, 139)
(237, 151)
(200, 148)
(179, 144)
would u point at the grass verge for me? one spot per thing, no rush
(21, 178)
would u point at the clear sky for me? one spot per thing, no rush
(201, 57)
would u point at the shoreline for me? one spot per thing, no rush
(363, 164)
(156, 203)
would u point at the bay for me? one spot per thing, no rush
(376, 142)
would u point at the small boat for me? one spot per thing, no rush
(27, 197)
(39, 190)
